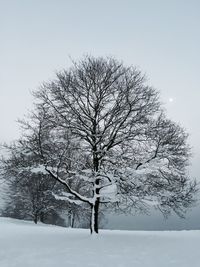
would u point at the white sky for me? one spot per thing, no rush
(161, 37)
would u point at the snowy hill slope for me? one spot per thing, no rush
(23, 244)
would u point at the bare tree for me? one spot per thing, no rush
(29, 191)
(101, 125)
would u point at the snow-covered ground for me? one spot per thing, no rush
(23, 244)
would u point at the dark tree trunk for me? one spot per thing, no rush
(42, 217)
(73, 220)
(35, 219)
(94, 224)
(96, 216)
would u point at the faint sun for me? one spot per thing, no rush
(171, 100)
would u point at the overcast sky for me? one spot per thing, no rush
(161, 37)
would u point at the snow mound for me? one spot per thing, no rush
(23, 244)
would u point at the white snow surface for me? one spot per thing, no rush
(23, 244)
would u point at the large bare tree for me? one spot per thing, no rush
(101, 125)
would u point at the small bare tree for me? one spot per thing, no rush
(101, 124)
(29, 190)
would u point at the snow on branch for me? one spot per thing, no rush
(73, 192)
(68, 199)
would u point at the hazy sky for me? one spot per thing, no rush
(161, 37)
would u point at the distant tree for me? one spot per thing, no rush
(29, 191)
(100, 125)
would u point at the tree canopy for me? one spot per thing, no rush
(100, 131)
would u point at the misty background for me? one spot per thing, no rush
(160, 37)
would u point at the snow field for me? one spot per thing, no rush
(23, 244)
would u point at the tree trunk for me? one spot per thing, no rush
(94, 225)
(94, 222)
(35, 219)
(71, 219)
(42, 217)
(96, 217)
